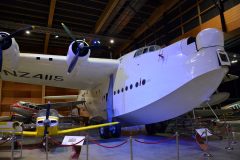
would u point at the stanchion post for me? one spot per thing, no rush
(12, 147)
(177, 143)
(207, 154)
(131, 148)
(233, 138)
(87, 142)
(46, 136)
(229, 147)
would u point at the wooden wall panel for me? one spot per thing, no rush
(232, 17)
(12, 92)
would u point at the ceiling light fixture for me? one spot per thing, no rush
(234, 61)
(27, 32)
(111, 41)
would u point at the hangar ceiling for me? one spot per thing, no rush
(90, 19)
(125, 21)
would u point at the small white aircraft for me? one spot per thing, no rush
(145, 86)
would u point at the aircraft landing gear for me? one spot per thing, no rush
(115, 131)
(112, 131)
(104, 132)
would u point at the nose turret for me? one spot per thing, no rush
(210, 37)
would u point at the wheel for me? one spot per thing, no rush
(104, 132)
(115, 131)
(150, 128)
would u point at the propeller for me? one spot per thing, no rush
(75, 58)
(47, 122)
(5, 41)
(81, 48)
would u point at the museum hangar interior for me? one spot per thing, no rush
(101, 37)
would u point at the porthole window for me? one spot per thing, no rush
(131, 86)
(118, 91)
(126, 88)
(122, 89)
(136, 85)
(143, 82)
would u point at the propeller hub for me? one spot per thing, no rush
(79, 46)
(47, 122)
(5, 42)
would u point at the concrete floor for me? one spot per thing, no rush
(189, 150)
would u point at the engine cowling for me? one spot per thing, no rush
(72, 51)
(10, 51)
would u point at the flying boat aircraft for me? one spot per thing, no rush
(145, 86)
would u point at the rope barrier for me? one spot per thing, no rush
(60, 144)
(160, 141)
(97, 143)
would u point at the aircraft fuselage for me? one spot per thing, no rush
(150, 84)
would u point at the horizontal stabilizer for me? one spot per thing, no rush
(61, 97)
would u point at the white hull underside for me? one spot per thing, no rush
(180, 101)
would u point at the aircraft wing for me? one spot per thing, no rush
(66, 131)
(51, 70)
(5, 118)
(60, 104)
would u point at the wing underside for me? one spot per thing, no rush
(52, 70)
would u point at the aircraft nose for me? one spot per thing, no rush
(209, 38)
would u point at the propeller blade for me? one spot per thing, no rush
(45, 130)
(20, 31)
(48, 111)
(68, 31)
(46, 121)
(73, 63)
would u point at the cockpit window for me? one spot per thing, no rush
(151, 48)
(146, 50)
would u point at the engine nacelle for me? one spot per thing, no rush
(10, 52)
(72, 51)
